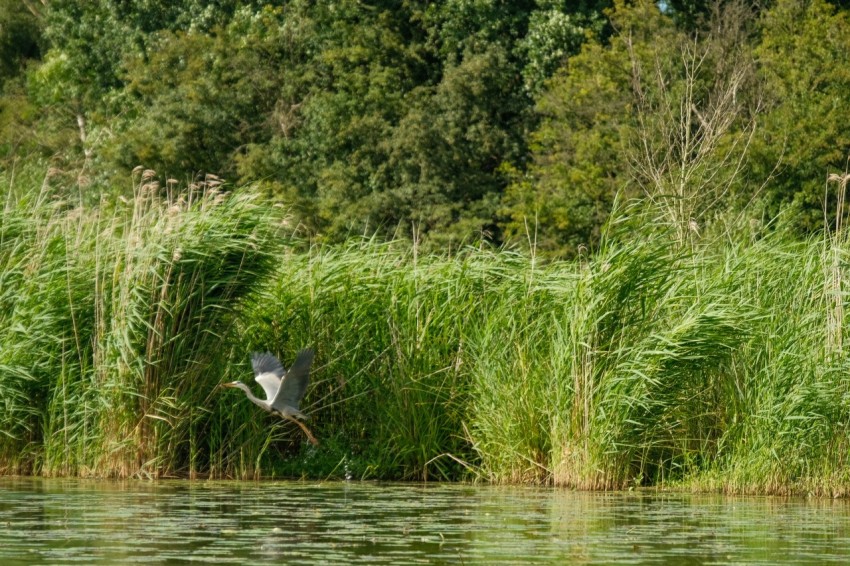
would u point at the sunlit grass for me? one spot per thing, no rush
(717, 365)
(112, 318)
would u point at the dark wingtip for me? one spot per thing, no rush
(305, 356)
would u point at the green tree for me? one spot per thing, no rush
(654, 113)
(580, 149)
(21, 44)
(804, 62)
(408, 110)
(20, 37)
(196, 100)
(98, 35)
(366, 116)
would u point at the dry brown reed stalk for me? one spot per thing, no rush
(692, 140)
(834, 285)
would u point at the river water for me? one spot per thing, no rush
(102, 522)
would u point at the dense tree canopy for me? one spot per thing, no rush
(804, 57)
(511, 121)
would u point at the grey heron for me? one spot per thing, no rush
(284, 389)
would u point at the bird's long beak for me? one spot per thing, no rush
(226, 385)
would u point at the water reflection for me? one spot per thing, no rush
(78, 521)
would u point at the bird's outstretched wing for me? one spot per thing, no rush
(267, 372)
(294, 384)
(266, 363)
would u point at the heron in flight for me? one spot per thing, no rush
(284, 389)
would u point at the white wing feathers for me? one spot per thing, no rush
(270, 384)
(268, 372)
(283, 389)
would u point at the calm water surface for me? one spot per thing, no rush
(84, 522)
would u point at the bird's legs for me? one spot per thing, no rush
(306, 430)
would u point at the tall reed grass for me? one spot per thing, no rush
(717, 365)
(112, 320)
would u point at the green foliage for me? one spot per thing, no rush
(804, 59)
(195, 99)
(96, 36)
(362, 117)
(553, 35)
(109, 319)
(21, 45)
(580, 150)
(718, 364)
(683, 342)
(651, 113)
(453, 121)
(20, 38)
(389, 388)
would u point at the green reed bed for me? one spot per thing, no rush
(717, 366)
(112, 318)
(786, 406)
(711, 365)
(600, 373)
(391, 387)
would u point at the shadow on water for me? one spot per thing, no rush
(80, 521)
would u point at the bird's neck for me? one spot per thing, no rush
(257, 401)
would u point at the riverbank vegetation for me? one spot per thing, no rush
(597, 245)
(719, 363)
